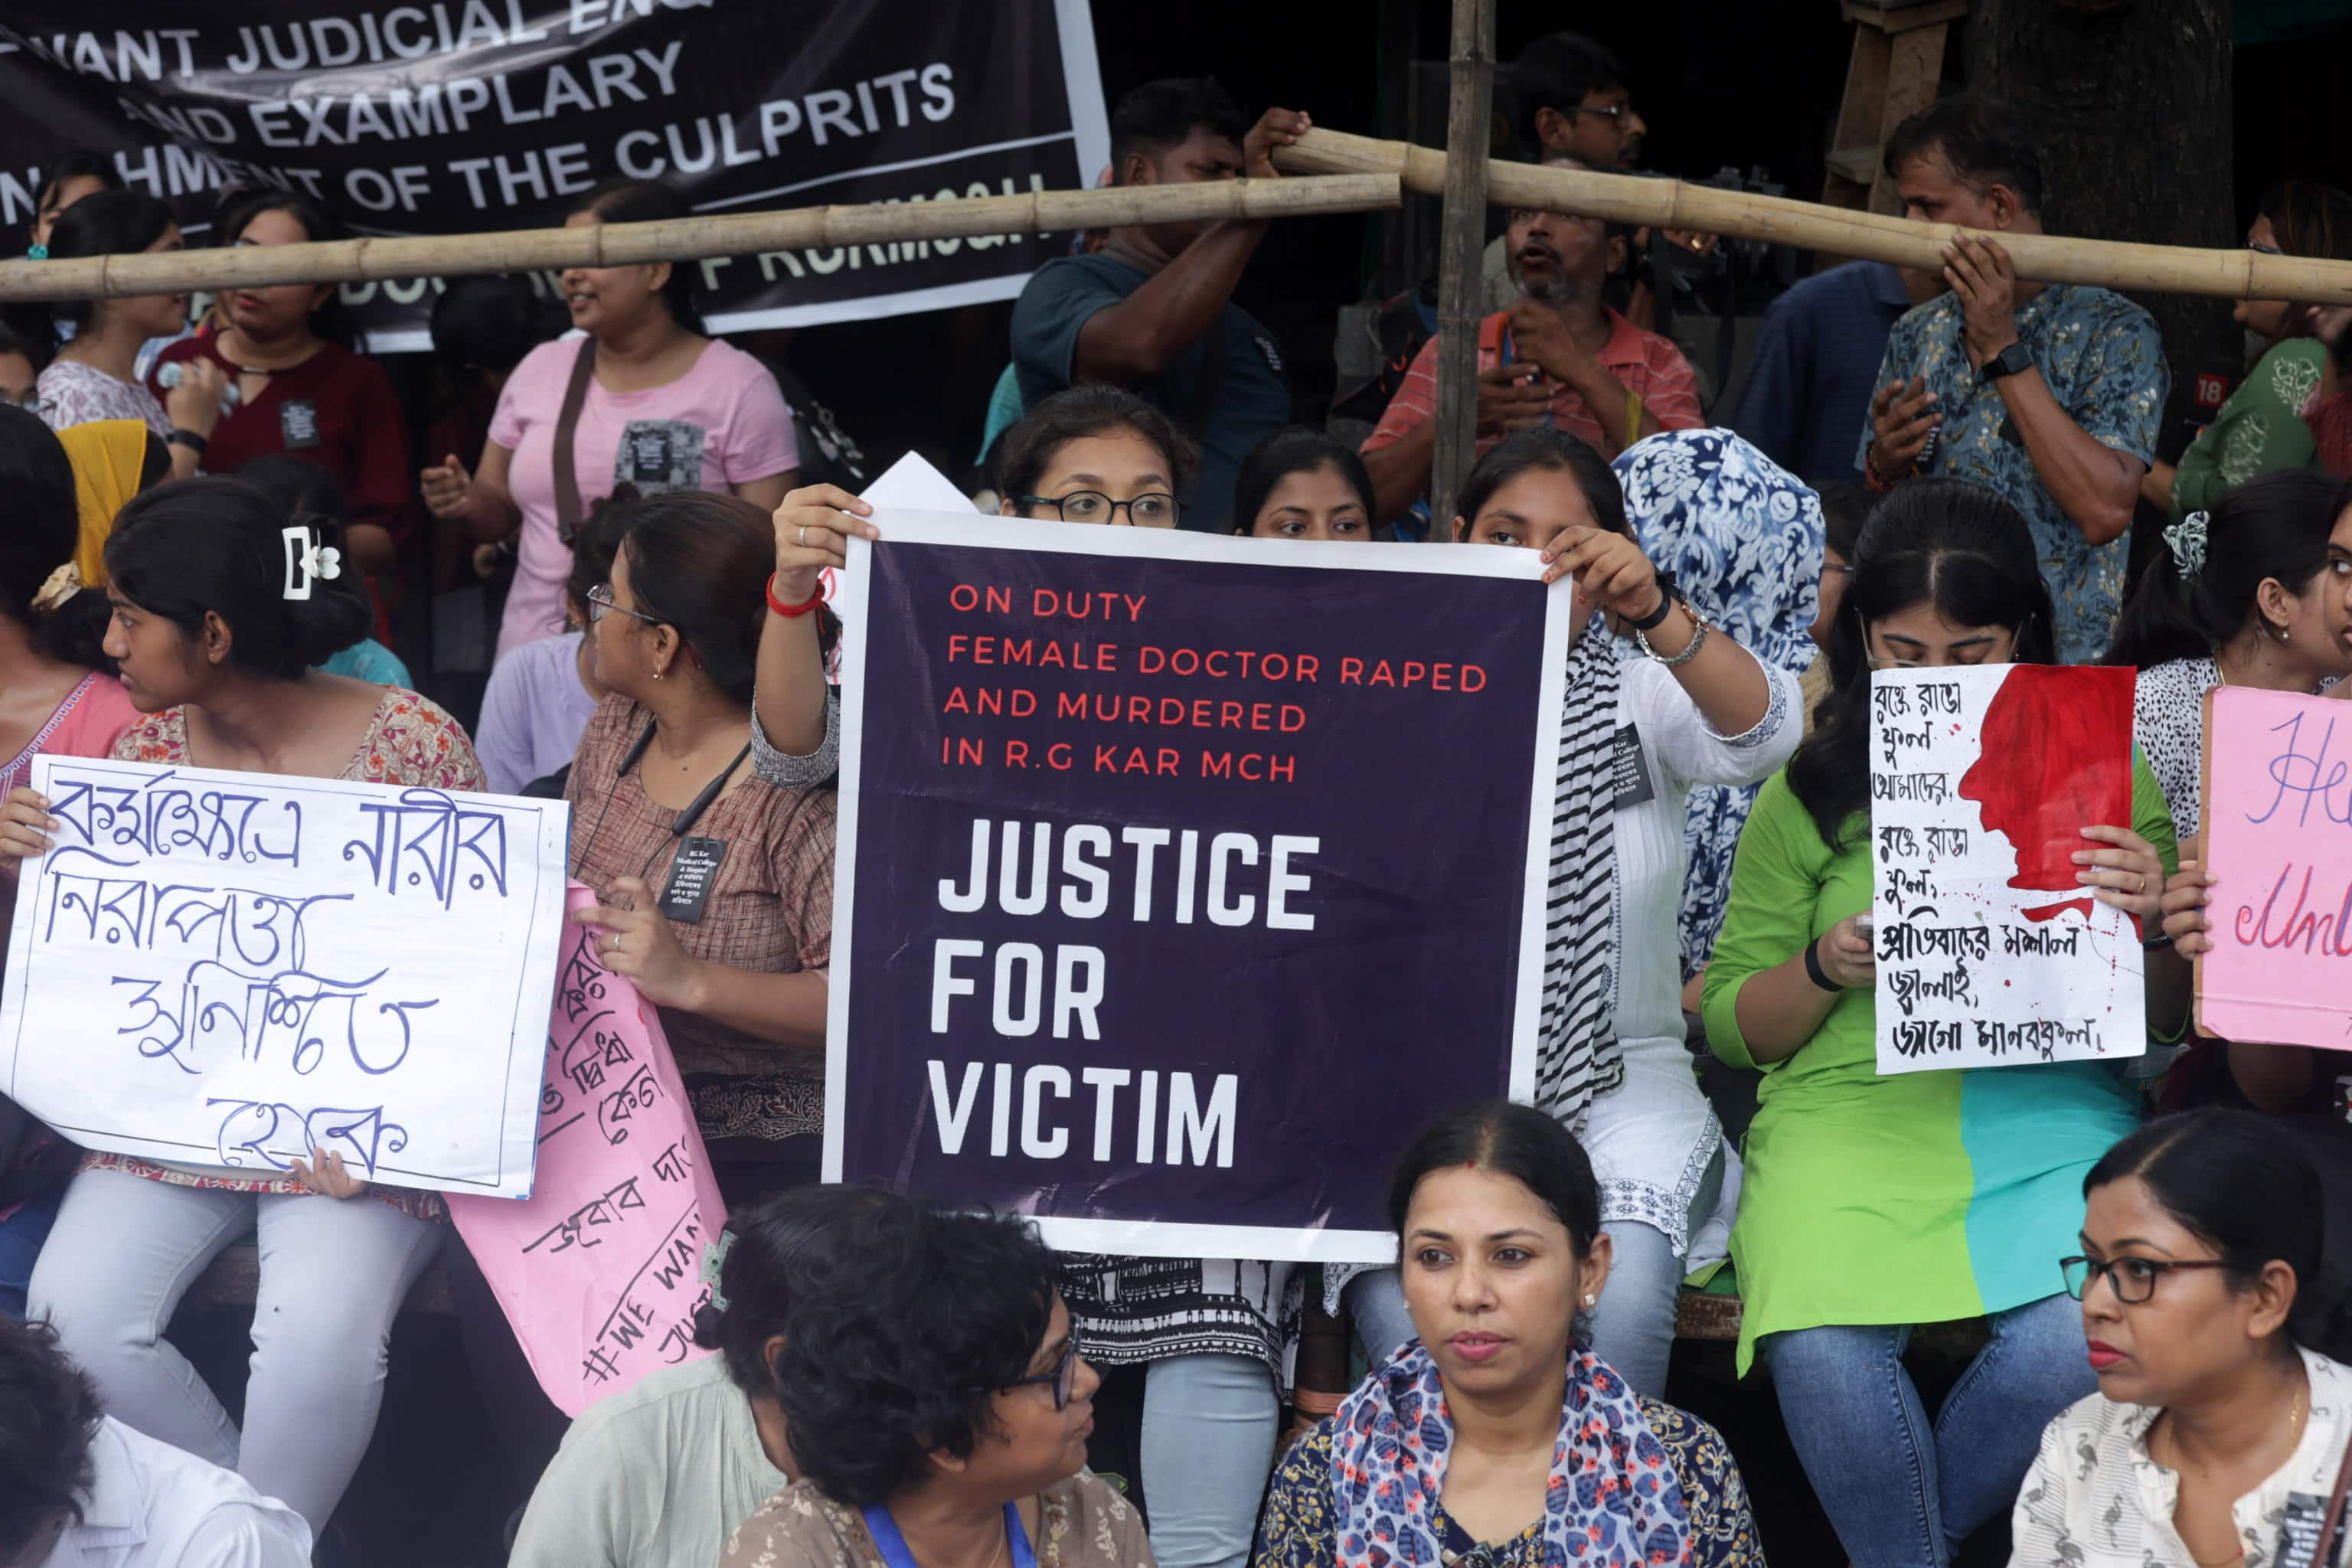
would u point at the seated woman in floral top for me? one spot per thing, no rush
(215, 635)
(1498, 1220)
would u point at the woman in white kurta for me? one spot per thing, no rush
(1662, 702)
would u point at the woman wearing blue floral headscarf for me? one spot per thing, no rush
(1742, 539)
(1646, 724)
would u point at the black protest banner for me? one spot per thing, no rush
(455, 116)
(1182, 879)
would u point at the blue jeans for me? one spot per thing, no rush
(1209, 1427)
(21, 1234)
(1903, 1493)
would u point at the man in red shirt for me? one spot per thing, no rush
(1558, 356)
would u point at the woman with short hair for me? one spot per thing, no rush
(938, 1408)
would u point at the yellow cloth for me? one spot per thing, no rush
(107, 457)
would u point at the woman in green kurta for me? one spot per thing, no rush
(1874, 1204)
(2259, 429)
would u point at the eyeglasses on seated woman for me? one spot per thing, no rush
(936, 1404)
(2218, 1337)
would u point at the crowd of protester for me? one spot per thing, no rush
(1925, 470)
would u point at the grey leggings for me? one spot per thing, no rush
(124, 1251)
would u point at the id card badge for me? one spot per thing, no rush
(660, 455)
(646, 454)
(1631, 770)
(690, 875)
(2298, 1544)
(297, 424)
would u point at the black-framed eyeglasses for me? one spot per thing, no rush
(600, 599)
(1062, 1379)
(1154, 508)
(2133, 1279)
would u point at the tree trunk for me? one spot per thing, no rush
(2129, 100)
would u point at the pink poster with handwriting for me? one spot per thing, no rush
(600, 1269)
(2278, 834)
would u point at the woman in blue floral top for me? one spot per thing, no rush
(1498, 1219)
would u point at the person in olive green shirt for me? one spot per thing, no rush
(2260, 429)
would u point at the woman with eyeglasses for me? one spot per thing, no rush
(1873, 1204)
(1204, 1336)
(2218, 1337)
(2260, 429)
(715, 884)
(936, 1404)
(715, 881)
(1497, 1439)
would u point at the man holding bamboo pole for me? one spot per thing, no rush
(1151, 308)
(2050, 394)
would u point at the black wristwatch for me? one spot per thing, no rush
(2009, 361)
(188, 438)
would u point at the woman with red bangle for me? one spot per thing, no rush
(717, 883)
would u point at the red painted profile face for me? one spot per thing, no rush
(2053, 765)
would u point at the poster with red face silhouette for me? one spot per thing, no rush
(1989, 953)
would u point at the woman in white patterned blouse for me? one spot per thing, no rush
(2220, 1423)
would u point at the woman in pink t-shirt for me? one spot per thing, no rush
(53, 699)
(667, 409)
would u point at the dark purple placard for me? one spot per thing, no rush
(1391, 716)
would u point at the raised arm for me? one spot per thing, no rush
(2093, 483)
(791, 708)
(1140, 336)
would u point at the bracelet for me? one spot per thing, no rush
(1690, 650)
(188, 438)
(1314, 1404)
(1813, 970)
(2161, 940)
(794, 612)
(1657, 617)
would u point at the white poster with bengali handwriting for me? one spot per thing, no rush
(229, 970)
(1989, 951)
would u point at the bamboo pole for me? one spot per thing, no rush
(1462, 241)
(687, 239)
(2237, 274)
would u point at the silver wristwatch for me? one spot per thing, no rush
(1699, 640)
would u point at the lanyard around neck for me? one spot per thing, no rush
(892, 1544)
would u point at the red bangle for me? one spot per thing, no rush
(794, 612)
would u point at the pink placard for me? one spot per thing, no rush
(600, 1269)
(2278, 835)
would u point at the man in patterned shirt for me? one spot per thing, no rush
(1558, 356)
(2050, 394)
